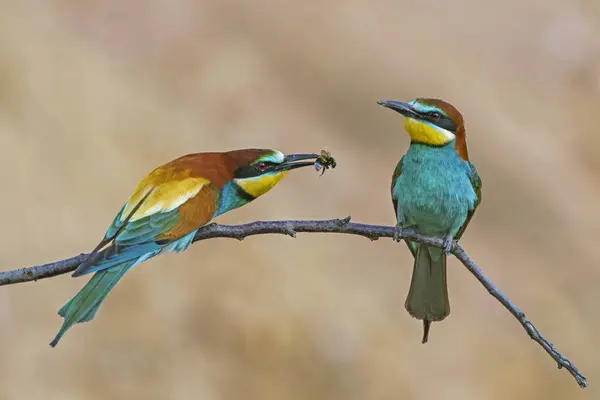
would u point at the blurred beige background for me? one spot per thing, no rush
(95, 94)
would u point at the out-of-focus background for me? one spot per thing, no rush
(93, 95)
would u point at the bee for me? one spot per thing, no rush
(324, 162)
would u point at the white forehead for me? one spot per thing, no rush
(423, 108)
(275, 157)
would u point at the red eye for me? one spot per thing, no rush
(435, 115)
(261, 166)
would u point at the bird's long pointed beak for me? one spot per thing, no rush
(293, 161)
(399, 106)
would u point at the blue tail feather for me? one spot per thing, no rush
(85, 304)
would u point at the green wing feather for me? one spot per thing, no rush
(476, 183)
(116, 225)
(395, 175)
(129, 240)
(147, 229)
(412, 246)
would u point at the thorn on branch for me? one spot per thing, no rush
(343, 222)
(238, 235)
(289, 230)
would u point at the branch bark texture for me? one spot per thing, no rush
(372, 232)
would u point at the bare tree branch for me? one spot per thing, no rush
(290, 228)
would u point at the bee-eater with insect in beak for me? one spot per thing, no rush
(435, 191)
(166, 210)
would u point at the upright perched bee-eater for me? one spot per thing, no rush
(167, 208)
(435, 191)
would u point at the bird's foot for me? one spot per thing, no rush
(398, 232)
(447, 244)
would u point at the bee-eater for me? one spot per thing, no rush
(167, 208)
(435, 190)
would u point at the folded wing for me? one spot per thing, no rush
(166, 206)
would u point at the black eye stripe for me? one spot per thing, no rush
(253, 169)
(245, 172)
(443, 121)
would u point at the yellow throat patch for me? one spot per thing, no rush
(423, 132)
(259, 185)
